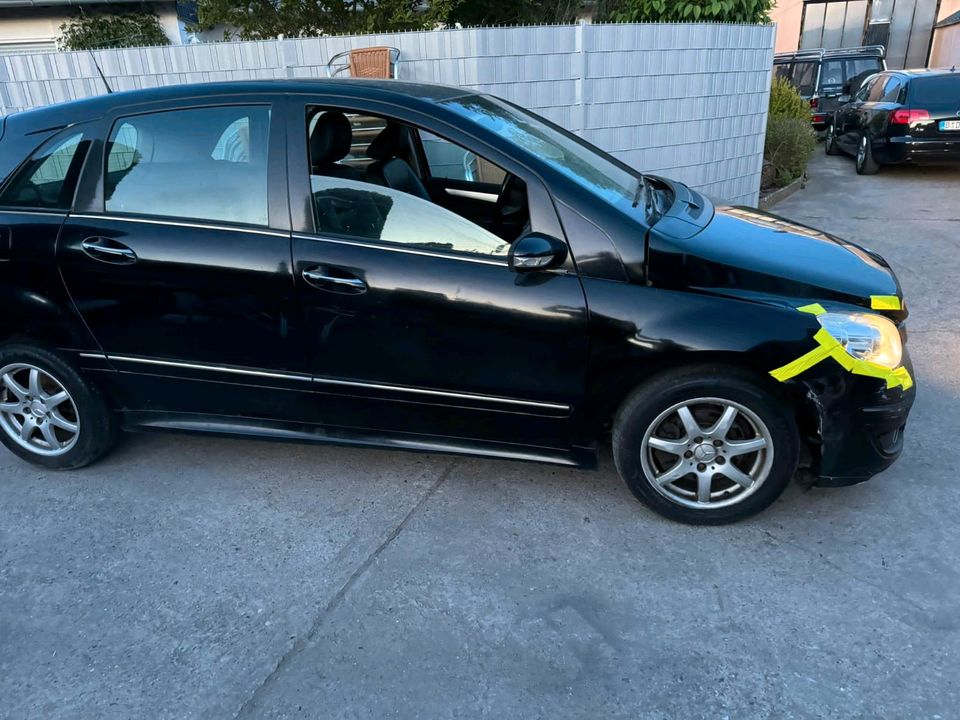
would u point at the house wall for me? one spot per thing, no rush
(41, 25)
(688, 101)
(787, 14)
(945, 51)
(841, 23)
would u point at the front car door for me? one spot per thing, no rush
(416, 326)
(178, 259)
(849, 115)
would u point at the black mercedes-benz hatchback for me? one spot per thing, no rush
(901, 116)
(388, 264)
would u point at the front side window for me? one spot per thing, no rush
(452, 162)
(49, 178)
(198, 164)
(865, 89)
(385, 199)
(375, 212)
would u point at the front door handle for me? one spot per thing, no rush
(325, 278)
(107, 250)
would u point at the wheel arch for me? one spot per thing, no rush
(39, 318)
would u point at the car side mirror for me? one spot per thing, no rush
(536, 251)
(844, 99)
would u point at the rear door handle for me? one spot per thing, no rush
(322, 277)
(107, 250)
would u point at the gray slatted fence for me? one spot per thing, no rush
(688, 101)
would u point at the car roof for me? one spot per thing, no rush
(411, 94)
(814, 54)
(925, 72)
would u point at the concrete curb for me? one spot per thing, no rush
(770, 199)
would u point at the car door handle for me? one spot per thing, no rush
(322, 278)
(107, 250)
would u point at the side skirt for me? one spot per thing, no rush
(226, 426)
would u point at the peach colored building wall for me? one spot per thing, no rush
(945, 49)
(787, 14)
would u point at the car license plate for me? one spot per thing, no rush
(950, 124)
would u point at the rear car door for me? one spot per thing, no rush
(416, 324)
(178, 259)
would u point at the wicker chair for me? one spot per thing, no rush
(371, 62)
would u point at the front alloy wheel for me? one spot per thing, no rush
(707, 444)
(707, 453)
(830, 143)
(866, 165)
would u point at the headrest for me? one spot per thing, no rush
(331, 138)
(387, 144)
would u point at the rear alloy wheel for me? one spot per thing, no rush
(37, 412)
(49, 414)
(866, 165)
(830, 143)
(705, 445)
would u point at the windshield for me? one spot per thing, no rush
(588, 166)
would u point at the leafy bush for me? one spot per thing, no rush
(730, 11)
(788, 146)
(91, 32)
(790, 138)
(785, 101)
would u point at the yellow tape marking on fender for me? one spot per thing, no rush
(814, 309)
(885, 302)
(828, 346)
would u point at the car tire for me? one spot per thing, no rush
(866, 165)
(50, 415)
(830, 142)
(650, 419)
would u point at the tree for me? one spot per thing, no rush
(91, 32)
(730, 11)
(516, 12)
(257, 19)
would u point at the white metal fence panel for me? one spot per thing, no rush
(687, 101)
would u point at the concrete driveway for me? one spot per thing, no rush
(189, 577)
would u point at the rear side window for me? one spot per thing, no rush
(891, 90)
(199, 164)
(804, 77)
(938, 92)
(49, 178)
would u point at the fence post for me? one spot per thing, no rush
(581, 78)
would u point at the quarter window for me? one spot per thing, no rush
(49, 178)
(200, 164)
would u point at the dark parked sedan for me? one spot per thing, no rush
(903, 116)
(386, 264)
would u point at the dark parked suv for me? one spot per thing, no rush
(902, 116)
(419, 267)
(827, 78)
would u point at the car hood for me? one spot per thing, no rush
(742, 252)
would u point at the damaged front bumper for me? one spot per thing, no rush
(854, 425)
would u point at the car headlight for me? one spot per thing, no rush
(865, 336)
